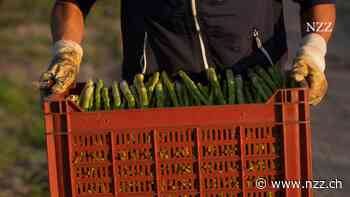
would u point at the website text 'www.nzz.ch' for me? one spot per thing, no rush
(262, 183)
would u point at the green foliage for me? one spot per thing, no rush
(25, 33)
(22, 150)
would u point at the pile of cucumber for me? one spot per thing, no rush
(160, 90)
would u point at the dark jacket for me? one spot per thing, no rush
(226, 27)
(162, 34)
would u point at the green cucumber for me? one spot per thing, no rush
(141, 91)
(116, 95)
(216, 86)
(231, 85)
(151, 84)
(124, 87)
(105, 99)
(248, 94)
(99, 86)
(193, 89)
(239, 89)
(170, 87)
(179, 93)
(159, 94)
(86, 95)
(260, 71)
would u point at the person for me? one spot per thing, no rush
(192, 35)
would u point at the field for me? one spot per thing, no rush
(25, 52)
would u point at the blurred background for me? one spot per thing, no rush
(25, 43)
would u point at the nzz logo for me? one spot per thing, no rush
(319, 27)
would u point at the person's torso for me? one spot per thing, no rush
(226, 26)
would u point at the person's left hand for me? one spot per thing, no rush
(305, 69)
(309, 67)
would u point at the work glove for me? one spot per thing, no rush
(309, 66)
(64, 67)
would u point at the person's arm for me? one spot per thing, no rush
(319, 19)
(317, 22)
(67, 27)
(67, 22)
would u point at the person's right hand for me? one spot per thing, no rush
(64, 67)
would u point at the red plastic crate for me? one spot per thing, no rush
(206, 151)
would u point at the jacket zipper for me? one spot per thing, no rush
(258, 42)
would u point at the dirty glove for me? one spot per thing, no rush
(64, 67)
(309, 66)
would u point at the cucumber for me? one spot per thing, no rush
(193, 89)
(141, 91)
(152, 102)
(265, 87)
(239, 89)
(257, 85)
(99, 86)
(211, 97)
(151, 84)
(86, 95)
(216, 86)
(170, 87)
(279, 75)
(124, 87)
(134, 93)
(230, 87)
(167, 99)
(159, 94)
(195, 100)
(274, 76)
(91, 104)
(123, 105)
(179, 93)
(260, 71)
(186, 97)
(259, 99)
(116, 95)
(218, 76)
(248, 94)
(206, 90)
(225, 89)
(105, 99)
(254, 93)
(203, 90)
